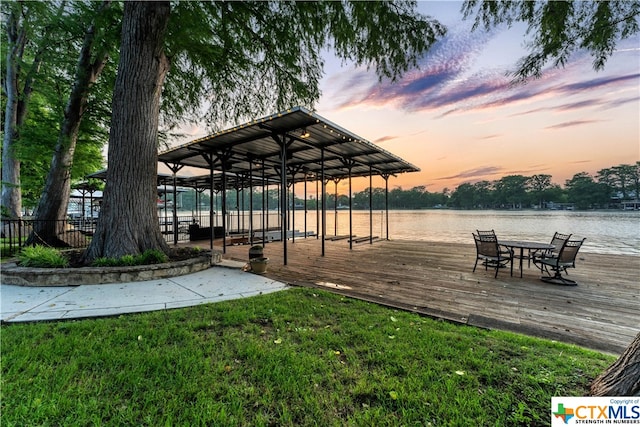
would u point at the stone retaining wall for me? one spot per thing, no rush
(13, 274)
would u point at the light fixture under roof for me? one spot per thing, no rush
(305, 133)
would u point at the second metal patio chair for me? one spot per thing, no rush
(489, 251)
(557, 240)
(566, 258)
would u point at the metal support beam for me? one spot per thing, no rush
(264, 212)
(224, 208)
(283, 200)
(324, 199)
(238, 205)
(174, 210)
(280, 139)
(293, 207)
(335, 207)
(370, 206)
(175, 168)
(294, 171)
(211, 210)
(386, 202)
(212, 159)
(349, 164)
(250, 201)
(318, 209)
(350, 213)
(165, 207)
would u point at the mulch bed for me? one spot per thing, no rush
(175, 254)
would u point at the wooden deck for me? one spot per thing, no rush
(435, 279)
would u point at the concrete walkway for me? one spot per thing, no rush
(219, 283)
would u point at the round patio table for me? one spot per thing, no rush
(522, 245)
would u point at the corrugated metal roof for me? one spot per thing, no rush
(249, 146)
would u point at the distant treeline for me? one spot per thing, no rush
(606, 190)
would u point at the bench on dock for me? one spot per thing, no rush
(272, 236)
(341, 237)
(237, 239)
(363, 239)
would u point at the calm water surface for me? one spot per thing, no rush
(612, 232)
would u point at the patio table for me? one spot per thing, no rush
(522, 245)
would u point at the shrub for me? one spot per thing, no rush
(150, 256)
(153, 256)
(105, 262)
(129, 260)
(42, 257)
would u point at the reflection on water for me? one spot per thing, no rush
(613, 232)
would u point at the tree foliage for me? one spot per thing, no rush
(559, 29)
(623, 180)
(24, 48)
(245, 58)
(582, 190)
(46, 74)
(94, 44)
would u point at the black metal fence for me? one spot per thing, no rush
(74, 233)
(16, 232)
(77, 232)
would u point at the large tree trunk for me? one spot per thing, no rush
(623, 377)
(52, 207)
(128, 222)
(11, 196)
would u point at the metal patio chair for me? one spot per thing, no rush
(489, 251)
(557, 240)
(486, 233)
(566, 258)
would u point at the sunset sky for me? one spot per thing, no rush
(459, 118)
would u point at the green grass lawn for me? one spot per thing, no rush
(299, 357)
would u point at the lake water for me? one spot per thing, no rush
(610, 232)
